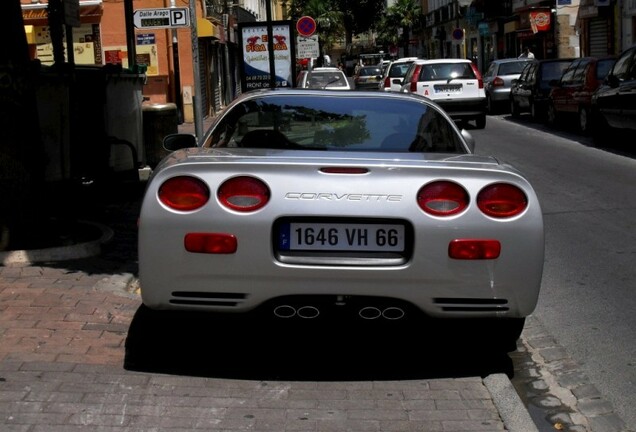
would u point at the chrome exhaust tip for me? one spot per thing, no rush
(370, 313)
(284, 311)
(308, 312)
(393, 313)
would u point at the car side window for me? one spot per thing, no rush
(622, 65)
(568, 75)
(491, 70)
(581, 69)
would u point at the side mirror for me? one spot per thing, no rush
(469, 140)
(175, 142)
(612, 81)
(514, 81)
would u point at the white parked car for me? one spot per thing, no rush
(454, 84)
(394, 74)
(323, 78)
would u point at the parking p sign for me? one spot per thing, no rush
(161, 18)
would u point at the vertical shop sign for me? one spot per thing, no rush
(255, 70)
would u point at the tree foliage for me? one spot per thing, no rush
(400, 21)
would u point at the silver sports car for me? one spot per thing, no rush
(307, 204)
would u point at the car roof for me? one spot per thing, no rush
(405, 59)
(442, 61)
(511, 60)
(325, 69)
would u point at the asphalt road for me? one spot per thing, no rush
(588, 300)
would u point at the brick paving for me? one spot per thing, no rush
(61, 369)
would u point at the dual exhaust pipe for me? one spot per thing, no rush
(368, 312)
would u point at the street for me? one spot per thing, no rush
(587, 298)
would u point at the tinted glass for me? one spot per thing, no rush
(370, 71)
(581, 70)
(553, 70)
(603, 67)
(321, 80)
(398, 70)
(513, 68)
(446, 71)
(336, 123)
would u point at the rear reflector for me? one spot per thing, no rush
(210, 243)
(473, 249)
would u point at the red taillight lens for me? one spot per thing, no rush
(498, 82)
(210, 243)
(501, 200)
(184, 193)
(244, 194)
(473, 249)
(480, 79)
(415, 78)
(387, 82)
(442, 198)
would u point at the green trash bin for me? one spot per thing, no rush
(159, 120)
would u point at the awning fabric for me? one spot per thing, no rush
(91, 12)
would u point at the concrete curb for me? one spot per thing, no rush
(511, 409)
(62, 253)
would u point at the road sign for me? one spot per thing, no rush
(458, 34)
(161, 18)
(306, 26)
(307, 47)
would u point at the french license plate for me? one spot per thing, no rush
(448, 89)
(341, 237)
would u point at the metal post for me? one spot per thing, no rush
(196, 98)
(130, 33)
(178, 97)
(270, 45)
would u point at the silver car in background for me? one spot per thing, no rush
(303, 205)
(497, 81)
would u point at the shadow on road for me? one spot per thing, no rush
(186, 343)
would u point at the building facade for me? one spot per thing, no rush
(165, 55)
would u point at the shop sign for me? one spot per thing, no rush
(539, 21)
(254, 42)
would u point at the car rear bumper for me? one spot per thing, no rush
(463, 108)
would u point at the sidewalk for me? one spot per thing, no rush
(64, 365)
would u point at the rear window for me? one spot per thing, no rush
(398, 70)
(368, 71)
(513, 68)
(326, 123)
(320, 80)
(446, 71)
(553, 70)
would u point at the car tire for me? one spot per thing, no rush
(584, 120)
(490, 107)
(551, 116)
(534, 113)
(514, 108)
(480, 121)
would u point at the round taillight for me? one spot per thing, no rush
(442, 198)
(244, 194)
(498, 82)
(502, 200)
(184, 193)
